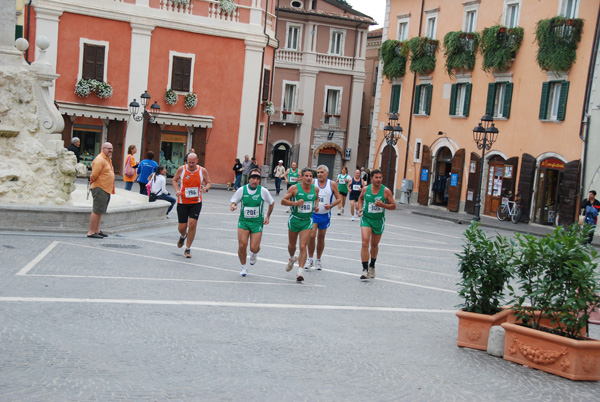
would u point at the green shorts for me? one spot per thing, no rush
(100, 200)
(376, 225)
(253, 227)
(298, 225)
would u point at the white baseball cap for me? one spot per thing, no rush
(280, 161)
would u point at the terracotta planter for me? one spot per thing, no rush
(565, 357)
(474, 329)
(544, 322)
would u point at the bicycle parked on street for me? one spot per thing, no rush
(510, 209)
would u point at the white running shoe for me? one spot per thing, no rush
(309, 263)
(244, 271)
(252, 259)
(290, 263)
(365, 274)
(372, 272)
(318, 265)
(339, 212)
(353, 217)
(299, 277)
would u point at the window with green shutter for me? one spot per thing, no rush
(428, 99)
(423, 99)
(562, 103)
(544, 101)
(467, 102)
(491, 96)
(395, 98)
(499, 99)
(417, 99)
(553, 102)
(460, 99)
(453, 96)
(508, 90)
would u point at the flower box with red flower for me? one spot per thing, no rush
(337, 116)
(286, 112)
(299, 113)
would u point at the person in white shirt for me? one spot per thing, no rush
(159, 188)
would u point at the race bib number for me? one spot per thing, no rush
(306, 207)
(321, 200)
(374, 209)
(293, 179)
(355, 187)
(192, 192)
(341, 181)
(251, 212)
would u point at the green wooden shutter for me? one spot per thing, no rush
(544, 101)
(467, 104)
(507, 100)
(491, 97)
(562, 103)
(395, 99)
(453, 99)
(417, 99)
(428, 99)
(18, 31)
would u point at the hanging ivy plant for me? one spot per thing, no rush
(499, 45)
(394, 54)
(557, 39)
(460, 49)
(422, 54)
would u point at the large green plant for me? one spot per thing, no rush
(485, 268)
(460, 49)
(557, 279)
(422, 54)
(557, 39)
(393, 53)
(499, 45)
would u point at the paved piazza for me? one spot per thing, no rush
(129, 318)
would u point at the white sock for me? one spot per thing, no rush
(318, 260)
(253, 254)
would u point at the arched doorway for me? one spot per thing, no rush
(441, 181)
(549, 183)
(281, 152)
(388, 166)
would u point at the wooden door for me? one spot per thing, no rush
(425, 176)
(199, 144)
(116, 136)
(525, 189)
(67, 131)
(456, 175)
(568, 194)
(472, 182)
(493, 194)
(389, 161)
(152, 141)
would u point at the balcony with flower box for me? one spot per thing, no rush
(284, 117)
(331, 120)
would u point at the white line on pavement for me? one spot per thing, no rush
(37, 259)
(224, 304)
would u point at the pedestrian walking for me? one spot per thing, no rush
(145, 168)
(190, 181)
(159, 188)
(251, 198)
(343, 181)
(238, 169)
(356, 186)
(247, 165)
(102, 186)
(591, 208)
(303, 200)
(329, 197)
(372, 203)
(279, 174)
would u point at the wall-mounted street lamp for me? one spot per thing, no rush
(134, 108)
(484, 135)
(393, 131)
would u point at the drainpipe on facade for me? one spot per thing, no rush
(412, 100)
(28, 24)
(272, 74)
(350, 103)
(262, 71)
(585, 116)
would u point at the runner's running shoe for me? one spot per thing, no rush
(290, 263)
(309, 263)
(187, 253)
(252, 259)
(318, 265)
(244, 271)
(180, 241)
(365, 274)
(372, 272)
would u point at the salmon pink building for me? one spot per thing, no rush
(318, 86)
(527, 64)
(207, 65)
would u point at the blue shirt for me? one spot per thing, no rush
(145, 169)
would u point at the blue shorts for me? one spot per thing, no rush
(323, 220)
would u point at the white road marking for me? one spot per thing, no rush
(224, 304)
(37, 259)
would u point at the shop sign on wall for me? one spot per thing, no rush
(424, 174)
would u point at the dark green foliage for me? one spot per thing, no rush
(460, 49)
(557, 39)
(393, 53)
(422, 54)
(499, 45)
(485, 267)
(557, 278)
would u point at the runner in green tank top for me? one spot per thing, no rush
(291, 176)
(251, 197)
(343, 181)
(302, 200)
(372, 203)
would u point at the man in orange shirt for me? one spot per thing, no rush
(102, 182)
(190, 181)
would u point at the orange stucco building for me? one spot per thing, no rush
(224, 57)
(538, 113)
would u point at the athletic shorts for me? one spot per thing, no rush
(322, 219)
(101, 199)
(354, 195)
(298, 225)
(253, 227)
(188, 211)
(376, 225)
(343, 194)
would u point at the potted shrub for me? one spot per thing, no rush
(557, 39)
(170, 97)
(557, 283)
(190, 100)
(485, 269)
(422, 54)
(499, 45)
(460, 49)
(394, 54)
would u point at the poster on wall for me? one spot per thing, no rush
(454, 180)
(469, 196)
(424, 174)
(473, 167)
(508, 171)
